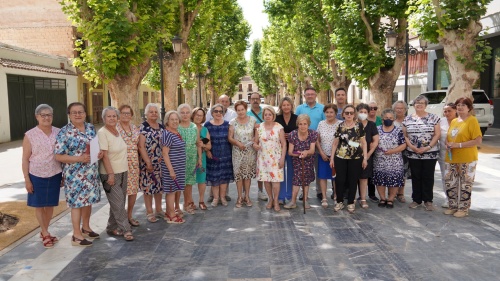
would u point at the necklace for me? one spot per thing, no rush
(129, 132)
(348, 126)
(112, 131)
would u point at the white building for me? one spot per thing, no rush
(245, 89)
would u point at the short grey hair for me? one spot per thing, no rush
(106, 109)
(42, 107)
(184, 105)
(372, 101)
(149, 105)
(167, 116)
(399, 102)
(214, 107)
(388, 110)
(421, 97)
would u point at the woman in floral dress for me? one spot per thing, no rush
(190, 136)
(302, 144)
(130, 134)
(241, 133)
(270, 144)
(388, 168)
(82, 184)
(150, 152)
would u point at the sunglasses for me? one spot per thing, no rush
(218, 111)
(373, 108)
(349, 112)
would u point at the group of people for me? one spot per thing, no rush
(356, 149)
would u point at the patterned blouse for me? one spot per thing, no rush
(420, 131)
(349, 146)
(327, 134)
(42, 159)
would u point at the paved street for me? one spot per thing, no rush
(227, 243)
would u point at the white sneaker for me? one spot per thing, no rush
(262, 196)
(445, 204)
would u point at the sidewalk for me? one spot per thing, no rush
(228, 243)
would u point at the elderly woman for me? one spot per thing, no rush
(173, 166)
(130, 134)
(463, 137)
(241, 134)
(422, 132)
(150, 152)
(371, 138)
(82, 185)
(113, 169)
(326, 130)
(190, 135)
(270, 144)
(198, 116)
(42, 173)
(219, 162)
(400, 107)
(449, 113)
(288, 120)
(301, 148)
(388, 170)
(350, 157)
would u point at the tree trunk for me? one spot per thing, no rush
(323, 96)
(459, 49)
(382, 86)
(125, 89)
(213, 95)
(188, 96)
(296, 97)
(171, 74)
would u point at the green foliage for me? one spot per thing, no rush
(261, 71)
(117, 34)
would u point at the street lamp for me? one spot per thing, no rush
(199, 84)
(406, 51)
(177, 46)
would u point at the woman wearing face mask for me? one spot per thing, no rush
(371, 137)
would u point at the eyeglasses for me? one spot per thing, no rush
(77, 113)
(46, 115)
(373, 108)
(255, 99)
(126, 113)
(349, 112)
(218, 111)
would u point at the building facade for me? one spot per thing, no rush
(245, 89)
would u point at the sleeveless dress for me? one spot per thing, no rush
(269, 155)
(244, 161)
(131, 139)
(150, 183)
(189, 136)
(220, 168)
(177, 155)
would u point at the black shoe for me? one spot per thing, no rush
(210, 199)
(320, 196)
(228, 198)
(374, 199)
(301, 197)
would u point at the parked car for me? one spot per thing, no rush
(483, 106)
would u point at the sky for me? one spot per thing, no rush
(253, 10)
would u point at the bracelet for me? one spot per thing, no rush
(460, 145)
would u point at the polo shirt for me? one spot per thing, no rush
(249, 113)
(315, 113)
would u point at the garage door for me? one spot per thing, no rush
(26, 93)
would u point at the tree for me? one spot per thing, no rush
(118, 39)
(261, 71)
(455, 24)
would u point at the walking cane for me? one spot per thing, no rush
(303, 186)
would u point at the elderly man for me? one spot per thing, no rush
(229, 113)
(316, 114)
(255, 111)
(341, 101)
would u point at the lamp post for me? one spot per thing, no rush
(177, 46)
(199, 84)
(406, 51)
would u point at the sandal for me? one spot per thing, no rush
(179, 212)
(215, 202)
(239, 202)
(90, 234)
(47, 242)
(269, 205)
(202, 206)
(54, 239)
(115, 232)
(351, 208)
(128, 236)
(324, 203)
(151, 218)
(193, 206)
(401, 198)
(382, 203)
(188, 209)
(80, 242)
(223, 201)
(133, 222)
(363, 204)
(175, 220)
(389, 205)
(277, 207)
(248, 202)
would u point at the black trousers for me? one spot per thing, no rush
(422, 179)
(348, 174)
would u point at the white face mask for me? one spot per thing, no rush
(362, 116)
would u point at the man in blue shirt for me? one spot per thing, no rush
(255, 111)
(340, 101)
(316, 114)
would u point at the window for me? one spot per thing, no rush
(443, 76)
(52, 84)
(240, 88)
(153, 97)
(145, 99)
(250, 88)
(496, 73)
(240, 96)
